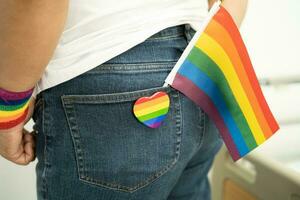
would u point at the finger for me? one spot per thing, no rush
(26, 150)
(26, 132)
(29, 137)
(27, 155)
(29, 151)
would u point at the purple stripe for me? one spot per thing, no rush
(188, 88)
(8, 95)
(155, 125)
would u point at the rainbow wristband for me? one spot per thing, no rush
(13, 107)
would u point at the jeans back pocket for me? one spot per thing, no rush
(112, 148)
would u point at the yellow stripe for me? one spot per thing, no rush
(15, 112)
(219, 56)
(151, 109)
(150, 103)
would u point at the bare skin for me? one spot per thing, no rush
(29, 33)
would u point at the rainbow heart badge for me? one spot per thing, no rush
(152, 110)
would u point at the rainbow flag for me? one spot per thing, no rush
(216, 73)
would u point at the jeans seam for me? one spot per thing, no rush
(67, 105)
(76, 144)
(37, 106)
(203, 123)
(113, 97)
(44, 187)
(105, 71)
(131, 67)
(164, 37)
(179, 124)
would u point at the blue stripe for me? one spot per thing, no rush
(13, 102)
(155, 120)
(204, 83)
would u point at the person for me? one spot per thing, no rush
(88, 62)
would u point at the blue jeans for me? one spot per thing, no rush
(90, 146)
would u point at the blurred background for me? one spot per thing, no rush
(272, 171)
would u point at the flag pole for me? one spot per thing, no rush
(211, 13)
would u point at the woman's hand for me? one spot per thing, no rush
(17, 144)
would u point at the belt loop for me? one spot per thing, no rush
(187, 32)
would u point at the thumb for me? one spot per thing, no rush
(26, 149)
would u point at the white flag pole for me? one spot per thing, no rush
(170, 78)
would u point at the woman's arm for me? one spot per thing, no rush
(29, 33)
(237, 9)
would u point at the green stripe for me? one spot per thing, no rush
(154, 114)
(212, 70)
(11, 108)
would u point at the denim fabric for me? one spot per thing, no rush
(90, 146)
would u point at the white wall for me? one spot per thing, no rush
(273, 42)
(271, 31)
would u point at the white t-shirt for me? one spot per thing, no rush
(98, 30)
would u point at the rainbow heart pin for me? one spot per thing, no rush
(152, 110)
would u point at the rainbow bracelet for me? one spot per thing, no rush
(13, 107)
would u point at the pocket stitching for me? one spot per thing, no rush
(80, 167)
(179, 122)
(137, 66)
(113, 97)
(168, 37)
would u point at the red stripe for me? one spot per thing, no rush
(225, 19)
(147, 99)
(10, 124)
(220, 34)
(188, 88)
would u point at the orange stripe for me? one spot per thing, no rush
(154, 96)
(5, 119)
(225, 19)
(217, 32)
(10, 124)
(151, 103)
